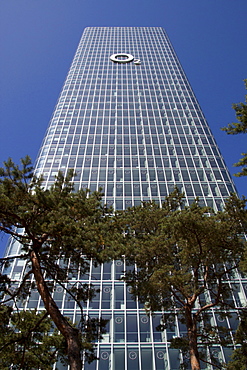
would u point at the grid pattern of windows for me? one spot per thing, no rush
(135, 130)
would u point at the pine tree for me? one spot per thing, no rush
(239, 127)
(183, 258)
(59, 231)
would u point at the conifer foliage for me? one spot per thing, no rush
(26, 341)
(239, 127)
(59, 232)
(184, 257)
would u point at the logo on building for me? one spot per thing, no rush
(124, 58)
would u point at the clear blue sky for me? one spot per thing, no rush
(38, 39)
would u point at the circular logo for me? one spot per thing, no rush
(220, 319)
(144, 319)
(160, 355)
(107, 289)
(132, 355)
(104, 355)
(125, 58)
(118, 320)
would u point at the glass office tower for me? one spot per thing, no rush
(127, 121)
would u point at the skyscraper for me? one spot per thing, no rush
(127, 121)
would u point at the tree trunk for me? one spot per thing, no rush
(192, 336)
(70, 334)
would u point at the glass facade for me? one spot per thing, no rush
(127, 121)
